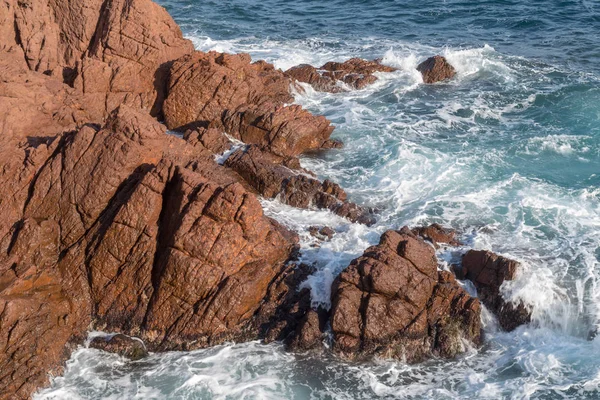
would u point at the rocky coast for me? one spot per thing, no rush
(111, 222)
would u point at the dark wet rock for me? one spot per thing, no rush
(436, 69)
(310, 332)
(123, 345)
(437, 234)
(393, 302)
(323, 233)
(356, 73)
(488, 271)
(285, 305)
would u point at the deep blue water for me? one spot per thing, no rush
(508, 153)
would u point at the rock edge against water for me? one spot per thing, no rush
(110, 223)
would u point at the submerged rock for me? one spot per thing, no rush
(356, 73)
(393, 302)
(436, 69)
(323, 233)
(488, 271)
(123, 345)
(437, 234)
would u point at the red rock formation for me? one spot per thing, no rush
(137, 231)
(393, 302)
(488, 271)
(272, 177)
(123, 345)
(436, 69)
(245, 99)
(356, 73)
(437, 234)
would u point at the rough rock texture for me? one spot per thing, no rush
(488, 271)
(285, 305)
(129, 57)
(113, 51)
(123, 345)
(135, 231)
(270, 177)
(355, 73)
(436, 69)
(437, 234)
(36, 105)
(393, 302)
(245, 99)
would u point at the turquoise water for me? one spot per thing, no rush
(508, 153)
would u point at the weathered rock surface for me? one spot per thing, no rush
(488, 271)
(128, 60)
(123, 345)
(247, 100)
(270, 177)
(436, 69)
(355, 73)
(437, 234)
(323, 233)
(393, 302)
(135, 231)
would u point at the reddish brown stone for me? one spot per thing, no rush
(436, 69)
(122, 345)
(355, 73)
(488, 271)
(393, 302)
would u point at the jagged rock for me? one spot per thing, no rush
(133, 229)
(323, 233)
(266, 174)
(245, 99)
(211, 139)
(202, 85)
(393, 302)
(36, 105)
(129, 58)
(436, 69)
(355, 73)
(285, 304)
(437, 234)
(310, 332)
(283, 130)
(488, 271)
(120, 344)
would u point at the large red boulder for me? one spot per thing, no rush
(393, 302)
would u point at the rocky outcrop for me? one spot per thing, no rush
(247, 100)
(334, 77)
(272, 177)
(436, 69)
(123, 345)
(131, 230)
(488, 271)
(393, 302)
(128, 60)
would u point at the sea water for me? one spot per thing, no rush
(507, 153)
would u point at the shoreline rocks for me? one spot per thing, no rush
(355, 73)
(110, 223)
(436, 69)
(393, 302)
